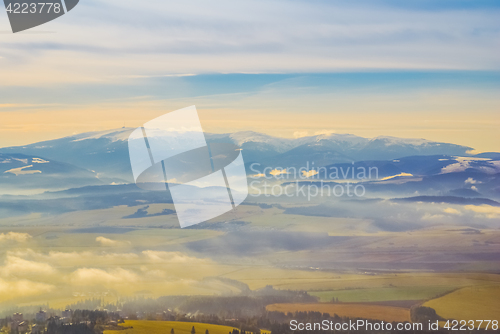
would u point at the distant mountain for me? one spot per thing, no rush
(103, 152)
(249, 137)
(449, 200)
(25, 174)
(385, 148)
(426, 165)
(333, 148)
(106, 152)
(461, 184)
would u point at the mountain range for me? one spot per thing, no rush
(92, 170)
(404, 166)
(106, 152)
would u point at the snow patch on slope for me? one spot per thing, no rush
(463, 163)
(391, 141)
(21, 171)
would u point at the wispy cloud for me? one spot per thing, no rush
(15, 236)
(18, 267)
(109, 242)
(21, 288)
(94, 276)
(195, 37)
(485, 210)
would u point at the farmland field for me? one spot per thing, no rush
(162, 327)
(283, 279)
(470, 303)
(385, 313)
(382, 294)
(100, 254)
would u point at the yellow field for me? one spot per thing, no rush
(385, 313)
(162, 327)
(470, 303)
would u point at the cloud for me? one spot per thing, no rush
(488, 211)
(432, 217)
(14, 236)
(310, 173)
(106, 242)
(22, 288)
(165, 39)
(109, 242)
(394, 176)
(29, 258)
(324, 132)
(94, 276)
(300, 134)
(68, 257)
(172, 257)
(278, 171)
(75, 258)
(452, 211)
(470, 180)
(42, 272)
(18, 267)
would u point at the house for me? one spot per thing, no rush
(55, 319)
(23, 326)
(36, 329)
(17, 317)
(18, 324)
(20, 327)
(67, 314)
(41, 316)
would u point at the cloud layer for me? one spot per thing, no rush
(28, 273)
(116, 40)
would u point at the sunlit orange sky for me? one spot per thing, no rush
(428, 69)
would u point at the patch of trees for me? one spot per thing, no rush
(88, 304)
(54, 328)
(249, 304)
(424, 314)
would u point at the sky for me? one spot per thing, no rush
(425, 69)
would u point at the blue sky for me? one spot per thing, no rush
(117, 40)
(201, 85)
(245, 63)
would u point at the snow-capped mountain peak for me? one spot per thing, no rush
(389, 141)
(113, 135)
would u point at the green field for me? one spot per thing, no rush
(382, 294)
(162, 327)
